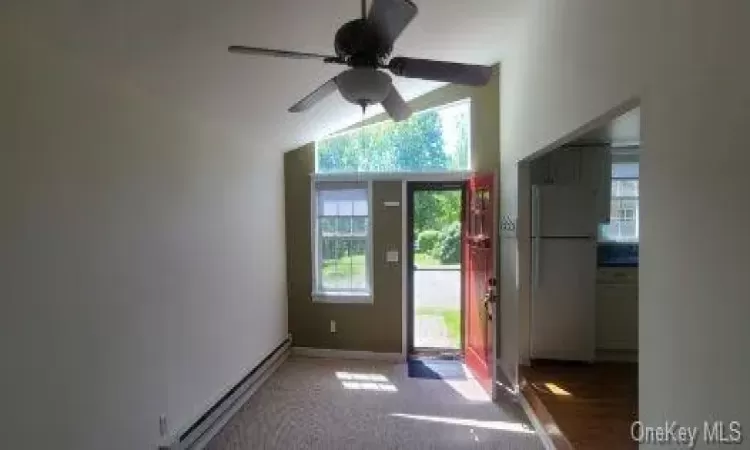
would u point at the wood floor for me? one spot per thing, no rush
(593, 405)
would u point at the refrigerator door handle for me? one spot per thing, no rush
(536, 251)
(536, 241)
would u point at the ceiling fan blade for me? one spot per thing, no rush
(390, 17)
(395, 106)
(426, 69)
(326, 89)
(241, 49)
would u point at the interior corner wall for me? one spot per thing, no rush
(372, 327)
(141, 247)
(577, 60)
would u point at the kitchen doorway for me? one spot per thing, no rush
(434, 258)
(580, 373)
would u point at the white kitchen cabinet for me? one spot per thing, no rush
(617, 276)
(589, 166)
(561, 166)
(604, 186)
(617, 309)
(596, 171)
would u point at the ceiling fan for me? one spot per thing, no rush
(364, 44)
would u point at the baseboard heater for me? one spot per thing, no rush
(197, 435)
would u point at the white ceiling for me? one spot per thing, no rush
(175, 50)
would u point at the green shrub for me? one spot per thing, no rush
(427, 240)
(449, 248)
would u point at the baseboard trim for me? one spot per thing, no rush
(536, 423)
(548, 431)
(199, 433)
(346, 354)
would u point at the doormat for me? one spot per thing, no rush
(435, 369)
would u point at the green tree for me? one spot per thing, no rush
(418, 144)
(411, 145)
(449, 208)
(449, 249)
(426, 211)
(460, 159)
(427, 240)
(434, 210)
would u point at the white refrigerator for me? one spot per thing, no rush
(563, 275)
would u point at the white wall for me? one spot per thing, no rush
(142, 254)
(579, 59)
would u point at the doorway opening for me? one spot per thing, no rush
(434, 258)
(583, 286)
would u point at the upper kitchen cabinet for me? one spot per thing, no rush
(561, 166)
(585, 165)
(597, 173)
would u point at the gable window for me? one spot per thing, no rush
(342, 241)
(624, 216)
(435, 140)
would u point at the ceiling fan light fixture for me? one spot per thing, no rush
(364, 86)
(365, 44)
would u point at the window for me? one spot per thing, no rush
(341, 217)
(435, 140)
(624, 216)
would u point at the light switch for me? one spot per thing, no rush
(391, 256)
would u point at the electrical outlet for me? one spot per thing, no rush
(162, 425)
(333, 326)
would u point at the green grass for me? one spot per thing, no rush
(355, 265)
(451, 317)
(423, 259)
(344, 268)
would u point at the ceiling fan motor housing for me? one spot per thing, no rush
(363, 86)
(358, 42)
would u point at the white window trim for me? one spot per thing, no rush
(319, 295)
(460, 175)
(636, 218)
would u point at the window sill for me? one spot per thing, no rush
(342, 297)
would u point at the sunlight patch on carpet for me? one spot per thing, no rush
(485, 424)
(366, 382)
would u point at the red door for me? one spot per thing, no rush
(478, 276)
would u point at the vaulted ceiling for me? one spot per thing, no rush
(624, 130)
(175, 50)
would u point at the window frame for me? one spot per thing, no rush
(320, 295)
(468, 101)
(636, 213)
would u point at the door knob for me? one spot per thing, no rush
(487, 299)
(491, 294)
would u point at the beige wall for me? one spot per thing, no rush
(372, 327)
(579, 59)
(376, 327)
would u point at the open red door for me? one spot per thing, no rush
(478, 275)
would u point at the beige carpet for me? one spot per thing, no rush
(341, 405)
